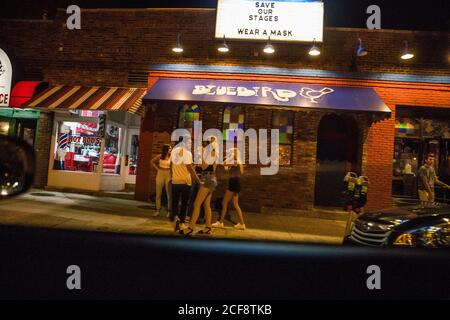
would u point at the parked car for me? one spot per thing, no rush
(410, 226)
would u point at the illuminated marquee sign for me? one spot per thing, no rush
(283, 20)
(5, 79)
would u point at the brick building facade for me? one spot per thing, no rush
(127, 47)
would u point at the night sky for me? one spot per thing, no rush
(396, 14)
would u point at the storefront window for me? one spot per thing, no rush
(284, 122)
(77, 146)
(134, 148)
(418, 133)
(233, 119)
(113, 139)
(187, 115)
(4, 127)
(405, 166)
(407, 127)
(433, 128)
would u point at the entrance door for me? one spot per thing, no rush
(337, 153)
(131, 156)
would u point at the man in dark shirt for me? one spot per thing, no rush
(427, 180)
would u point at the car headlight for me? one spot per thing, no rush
(435, 236)
(405, 239)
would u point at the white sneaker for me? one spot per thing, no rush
(156, 213)
(218, 224)
(239, 226)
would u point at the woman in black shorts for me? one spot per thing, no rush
(236, 169)
(205, 191)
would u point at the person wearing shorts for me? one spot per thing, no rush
(236, 170)
(207, 187)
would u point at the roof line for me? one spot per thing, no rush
(394, 77)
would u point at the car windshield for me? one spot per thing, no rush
(269, 131)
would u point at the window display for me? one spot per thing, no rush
(113, 139)
(407, 127)
(406, 154)
(187, 115)
(77, 146)
(284, 122)
(405, 166)
(436, 128)
(417, 135)
(233, 118)
(134, 149)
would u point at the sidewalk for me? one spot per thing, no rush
(88, 212)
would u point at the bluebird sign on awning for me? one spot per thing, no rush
(268, 94)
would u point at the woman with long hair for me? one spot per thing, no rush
(161, 163)
(233, 164)
(205, 191)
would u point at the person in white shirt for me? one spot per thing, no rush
(182, 174)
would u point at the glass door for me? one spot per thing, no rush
(441, 150)
(406, 164)
(131, 156)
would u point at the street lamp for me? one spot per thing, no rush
(223, 47)
(269, 49)
(406, 53)
(314, 51)
(178, 48)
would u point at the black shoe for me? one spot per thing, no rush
(186, 232)
(171, 218)
(207, 230)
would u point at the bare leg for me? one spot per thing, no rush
(237, 208)
(207, 207)
(159, 188)
(201, 196)
(168, 186)
(226, 199)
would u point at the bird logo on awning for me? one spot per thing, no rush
(312, 94)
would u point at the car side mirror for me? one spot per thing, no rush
(17, 164)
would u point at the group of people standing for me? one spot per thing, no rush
(189, 187)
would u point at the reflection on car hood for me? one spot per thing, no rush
(398, 215)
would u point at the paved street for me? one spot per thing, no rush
(76, 211)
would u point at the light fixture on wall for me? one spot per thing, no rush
(223, 47)
(178, 48)
(360, 51)
(269, 49)
(314, 51)
(406, 55)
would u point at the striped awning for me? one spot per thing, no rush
(89, 98)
